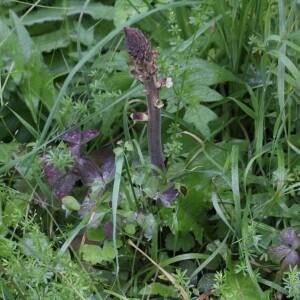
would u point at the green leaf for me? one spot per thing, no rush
(91, 254)
(130, 229)
(15, 209)
(159, 289)
(238, 286)
(192, 208)
(200, 116)
(202, 72)
(35, 244)
(194, 93)
(125, 10)
(95, 10)
(95, 234)
(6, 247)
(185, 242)
(28, 66)
(25, 42)
(6, 151)
(53, 40)
(70, 203)
(95, 254)
(108, 253)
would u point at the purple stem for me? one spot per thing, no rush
(154, 124)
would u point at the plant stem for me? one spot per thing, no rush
(154, 124)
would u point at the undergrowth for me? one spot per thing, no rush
(84, 214)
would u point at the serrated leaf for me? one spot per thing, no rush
(25, 42)
(85, 36)
(91, 254)
(200, 116)
(53, 40)
(95, 254)
(125, 10)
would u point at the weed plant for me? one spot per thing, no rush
(87, 213)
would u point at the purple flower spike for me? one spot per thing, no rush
(290, 237)
(168, 196)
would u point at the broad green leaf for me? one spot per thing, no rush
(130, 229)
(24, 41)
(85, 36)
(159, 289)
(6, 151)
(238, 286)
(95, 234)
(29, 71)
(118, 81)
(91, 254)
(70, 203)
(200, 116)
(95, 10)
(108, 253)
(53, 40)
(194, 93)
(95, 254)
(125, 10)
(185, 242)
(202, 72)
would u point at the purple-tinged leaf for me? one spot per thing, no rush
(290, 237)
(87, 205)
(291, 260)
(80, 137)
(108, 230)
(75, 150)
(88, 135)
(52, 174)
(108, 169)
(87, 170)
(168, 196)
(105, 158)
(65, 186)
(73, 136)
(279, 253)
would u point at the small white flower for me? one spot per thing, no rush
(169, 82)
